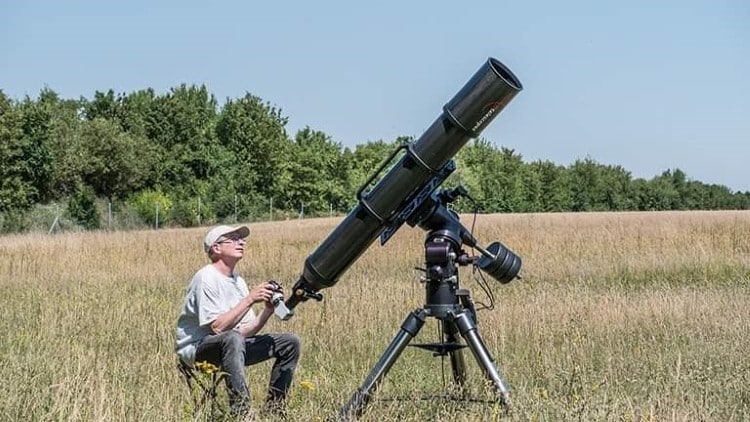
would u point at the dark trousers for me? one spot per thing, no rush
(232, 352)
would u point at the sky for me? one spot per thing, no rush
(647, 85)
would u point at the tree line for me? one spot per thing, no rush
(200, 162)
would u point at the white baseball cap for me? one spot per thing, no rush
(217, 232)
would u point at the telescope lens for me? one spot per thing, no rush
(504, 267)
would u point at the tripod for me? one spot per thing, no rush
(454, 309)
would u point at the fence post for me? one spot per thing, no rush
(302, 210)
(109, 215)
(54, 224)
(156, 225)
(270, 210)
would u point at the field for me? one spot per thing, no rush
(619, 316)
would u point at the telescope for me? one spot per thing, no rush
(422, 168)
(408, 193)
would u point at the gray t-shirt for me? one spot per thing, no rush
(209, 294)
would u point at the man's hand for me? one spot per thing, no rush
(261, 293)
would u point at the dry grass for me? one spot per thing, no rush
(632, 316)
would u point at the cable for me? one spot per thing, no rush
(481, 281)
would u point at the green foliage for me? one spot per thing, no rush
(587, 186)
(555, 192)
(228, 163)
(253, 132)
(186, 213)
(65, 148)
(104, 106)
(150, 204)
(497, 177)
(36, 122)
(315, 178)
(82, 208)
(14, 193)
(13, 221)
(25, 160)
(185, 134)
(115, 163)
(191, 208)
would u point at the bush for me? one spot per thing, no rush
(13, 221)
(82, 208)
(191, 211)
(148, 203)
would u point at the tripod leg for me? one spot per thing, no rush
(409, 329)
(450, 335)
(468, 329)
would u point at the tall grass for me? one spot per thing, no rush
(619, 316)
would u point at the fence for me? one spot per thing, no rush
(52, 218)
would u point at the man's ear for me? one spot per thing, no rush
(213, 251)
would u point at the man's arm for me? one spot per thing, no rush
(252, 328)
(229, 319)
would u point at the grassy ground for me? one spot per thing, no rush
(619, 316)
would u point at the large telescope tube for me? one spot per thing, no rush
(491, 88)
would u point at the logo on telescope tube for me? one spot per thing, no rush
(491, 109)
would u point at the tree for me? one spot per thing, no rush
(182, 126)
(82, 207)
(113, 163)
(253, 132)
(495, 178)
(36, 124)
(598, 187)
(315, 178)
(25, 160)
(554, 180)
(616, 188)
(531, 188)
(657, 194)
(105, 106)
(15, 191)
(64, 139)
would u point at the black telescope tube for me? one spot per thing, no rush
(483, 97)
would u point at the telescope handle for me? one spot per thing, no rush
(380, 169)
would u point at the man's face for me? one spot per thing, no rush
(231, 246)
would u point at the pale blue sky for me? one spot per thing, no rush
(648, 85)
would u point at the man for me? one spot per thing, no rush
(217, 323)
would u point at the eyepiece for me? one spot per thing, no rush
(504, 267)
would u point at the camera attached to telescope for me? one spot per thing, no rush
(408, 193)
(277, 300)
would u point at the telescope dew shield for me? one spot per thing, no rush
(483, 97)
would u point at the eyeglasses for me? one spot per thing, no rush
(232, 240)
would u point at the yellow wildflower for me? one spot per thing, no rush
(206, 367)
